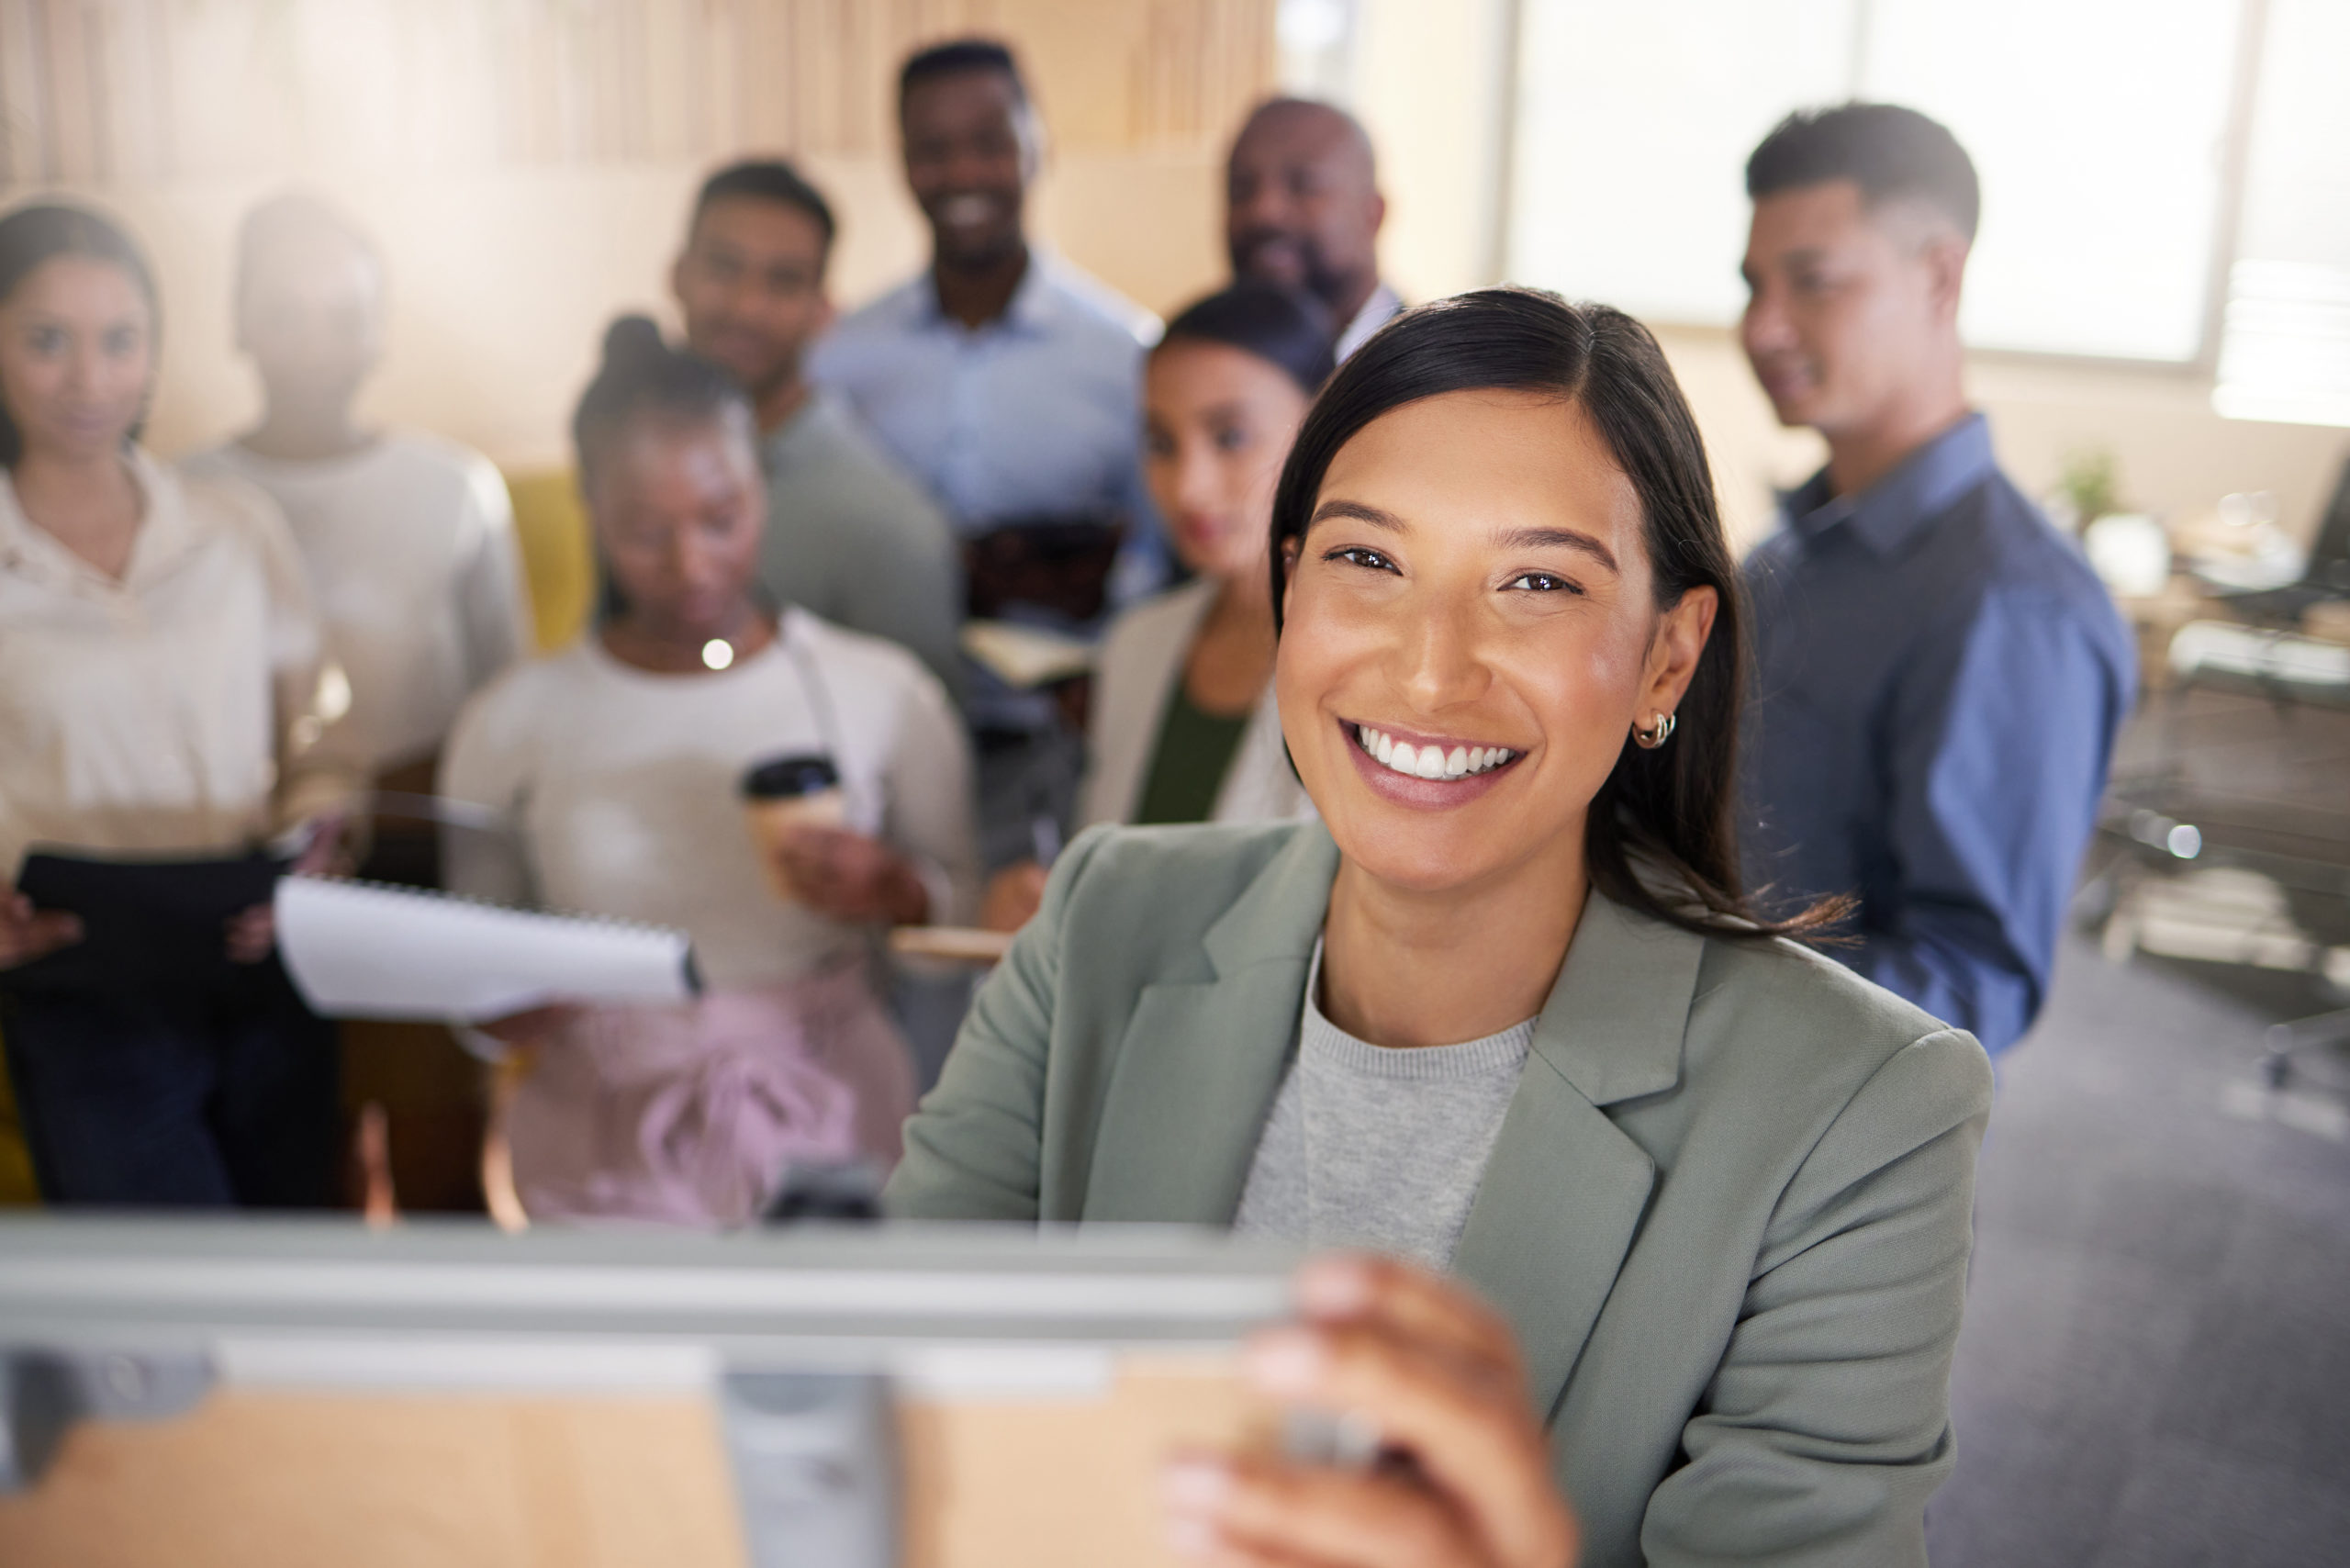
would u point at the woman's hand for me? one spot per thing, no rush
(853, 878)
(328, 852)
(1464, 1476)
(27, 934)
(254, 932)
(520, 1030)
(1013, 896)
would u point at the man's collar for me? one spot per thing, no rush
(1031, 305)
(1376, 312)
(1888, 512)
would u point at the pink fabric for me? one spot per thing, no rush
(690, 1115)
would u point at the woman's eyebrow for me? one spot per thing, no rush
(1362, 511)
(1557, 539)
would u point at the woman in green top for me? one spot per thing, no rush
(1184, 727)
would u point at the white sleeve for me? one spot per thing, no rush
(486, 763)
(318, 772)
(929, 814)
(493, 602)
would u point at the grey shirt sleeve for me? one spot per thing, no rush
(906, 583)
(852, 540)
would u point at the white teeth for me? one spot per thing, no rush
(1429, 761)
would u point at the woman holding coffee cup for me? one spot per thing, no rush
(777, 787)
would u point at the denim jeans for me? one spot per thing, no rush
(222, 1097)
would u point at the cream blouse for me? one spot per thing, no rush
(178, 708)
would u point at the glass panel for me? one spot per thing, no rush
(2285, 352)
(1634, 124)
(2098, 128)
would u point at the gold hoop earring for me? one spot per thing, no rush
(1657, 734)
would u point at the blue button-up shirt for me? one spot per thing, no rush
(1939, 680)
(1036, 414)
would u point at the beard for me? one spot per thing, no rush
(1316, 272)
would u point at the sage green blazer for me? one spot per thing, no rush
(1729, 1210)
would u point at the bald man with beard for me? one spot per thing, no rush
(1302, 211)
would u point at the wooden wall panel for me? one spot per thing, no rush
(110, 92)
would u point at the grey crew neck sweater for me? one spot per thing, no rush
(1376, 1147)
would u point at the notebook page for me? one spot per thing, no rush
(365, 950)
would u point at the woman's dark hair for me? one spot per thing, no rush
(1285, 329)
(642, 375)
(1662, 836)
(35, 235)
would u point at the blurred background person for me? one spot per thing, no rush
(1184, 727)
(161, 671)
(619, 762)
(1303, 209)
(409, 545)
(849, 537)
(409, 539)
(1941, 675)
(1006, 381)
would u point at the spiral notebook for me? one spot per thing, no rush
(367, 951)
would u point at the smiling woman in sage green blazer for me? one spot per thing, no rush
(1502, 1012)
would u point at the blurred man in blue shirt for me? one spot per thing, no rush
(1010, 384)
(1006, 379)
(1939, 674)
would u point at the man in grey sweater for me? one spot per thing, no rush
(848, 537)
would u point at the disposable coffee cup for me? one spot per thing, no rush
(782, 795)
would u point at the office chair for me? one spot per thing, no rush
(2220, 864)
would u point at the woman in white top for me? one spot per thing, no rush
(1184, 727)
(619, 762)
(159, 671)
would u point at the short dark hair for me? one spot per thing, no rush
(1287, 330)
(641, 374)
(1672, 809)
(1289, 103)
(766, 179)
(1892, 153)
(40, 233)
(954, 58)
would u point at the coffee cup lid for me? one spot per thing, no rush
(787, 777)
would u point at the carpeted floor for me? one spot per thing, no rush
(2155, 1366)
